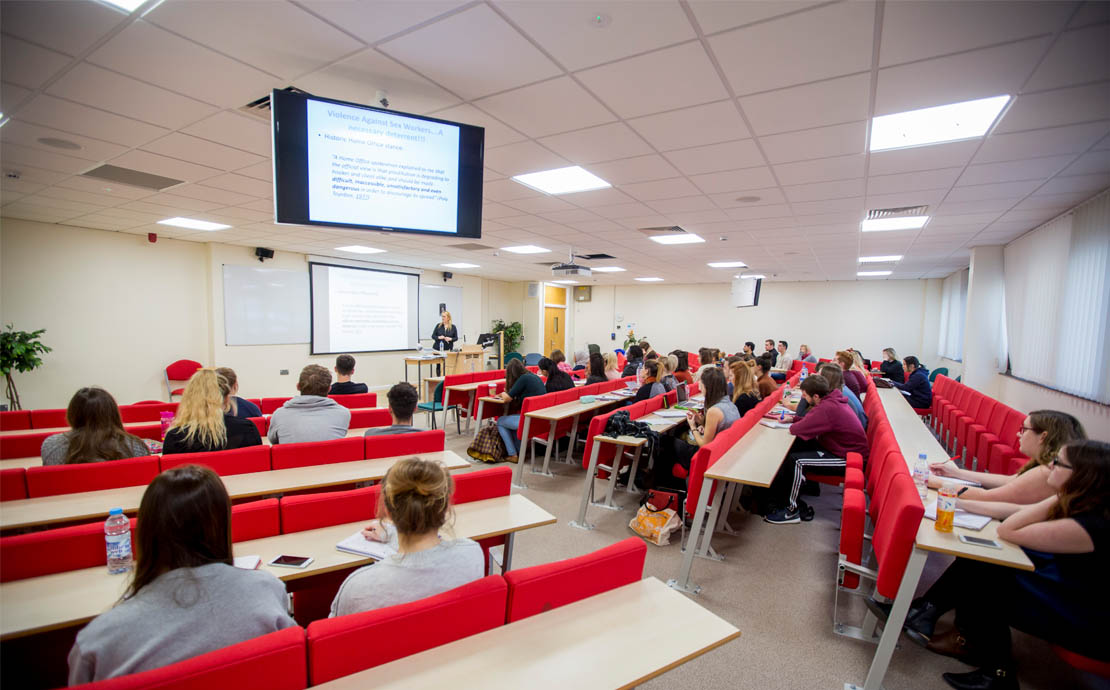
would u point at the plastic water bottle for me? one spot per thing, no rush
(117, 539)
(167, 421)
(921, 476)
(805, 373)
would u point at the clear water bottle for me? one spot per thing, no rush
(921, 476)
(805, 373)
(117, 539)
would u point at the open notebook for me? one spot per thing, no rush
(361, 546)
(963, 518)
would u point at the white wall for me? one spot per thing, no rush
(866, 315)
(1027, 397)
(117, 309)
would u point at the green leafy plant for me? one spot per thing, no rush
(514, 334)
(19, 351)
(630, 340)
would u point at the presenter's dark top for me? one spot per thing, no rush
(348, 388)
(452, 334)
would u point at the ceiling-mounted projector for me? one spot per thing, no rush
(570, 268)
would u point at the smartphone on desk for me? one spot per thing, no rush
(979, 541)
(286, 561)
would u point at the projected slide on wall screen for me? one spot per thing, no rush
(354, 166)
(363, 310)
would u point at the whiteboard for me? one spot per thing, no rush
(431, 297)
(265, 306)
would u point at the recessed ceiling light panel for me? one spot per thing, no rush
(884, 224)
(880, 259)
(650, 280)
(460, 265)
(193, 224)
(359, 249)
(683, 238)
(128, 6)
(936, 125)
(562, 180)
(566, 282)
(609, 269)
(726, 264)
(525, 249)
(865, 274)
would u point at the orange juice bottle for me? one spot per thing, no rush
(946, 507)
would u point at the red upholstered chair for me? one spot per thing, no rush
(545, 587)
(478, 486)
(253, 520)
(224, 462)
(853, 515)
(364, 419)
(262, 423)
(48, 419)
(356, 401)
(653, 404)
(672, 398)
(26, 445)
(286, 455)
(276, 661)
(69, 479)
(895, 533)
(605, 451)
(341, 646)
(145, 411)
(181, 370)
(15, 420)
(392, 445)
(13, 484)
(270, 404)
(151, 430)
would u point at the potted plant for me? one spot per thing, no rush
(19, 351)
(514, 334)
(631, 340)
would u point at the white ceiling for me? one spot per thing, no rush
(683, 106)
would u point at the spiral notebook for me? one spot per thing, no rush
(361, 546)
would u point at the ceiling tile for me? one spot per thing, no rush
(90, 198)
(538, 204)
(11, 96)
(241, 184)
(1093, 162)
(763, 197)
(1000, 190)
(307, 43)
(125, 96)
(79, 119)
(28, 65)
(1092, 12)
(212, 194)
(565, 30)
(161, 165)
(16, 156)
(956, 154)
(716, 157)
(983, 73)
(910, 182)
(235, 130)
(823, 142)
(604, 143)
(67, 26)
(120, 192)
(598, 197)
(376, 20)
(621, 211)
(826, 42)
(639, 169)
(813, 105)
(734, 180)
(1057, 107)
(656, 81)
(696, 126)
(1011, 171)
(27, 134)
(660, 189)
(202, 152)
(558, 105)
(1077, 184)
(714, 15)
(497, 133)
(359, 78)
(1077, 57)
(445, 53)
(917, 30)
(1041, 142)
(820, 191)
(507, 190)
(259, 171)
(821, 170)
(525, 157)
(689, 203)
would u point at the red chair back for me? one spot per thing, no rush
(392, 445)
(482, 484)
(152, 430)
(48, 419)
(262, 424)
(224, 462)
(13, 484)
(255, 520)
(286, 455)
(276, 661)
(270, 404)
(15, 420)
(364, 419)
(545, 587)
(145, 412)
(93, 476)
(26, 445)
(181, 370)
(347, 644)
(355, 400)
(895, 533)
(312, 511)
(852, 518)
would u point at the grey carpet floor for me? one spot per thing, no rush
(776, 584)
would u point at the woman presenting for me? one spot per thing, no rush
(444, 335)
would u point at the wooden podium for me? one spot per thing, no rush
(465, 360)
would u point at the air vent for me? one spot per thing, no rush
(595, 257)
(899, 212)
(663, 229)
(134, 178)
(470, 246)
(260, 107)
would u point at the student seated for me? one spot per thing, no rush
(708, 358)
(770, 351)
(918, 391)
(96, 432)
(827, 433)
(647, 348)
(745, 392)
(560, 361)
(185, 597)
(749, 348)
(891, 366)
(310, 416)
(415, 504)
(203, 421)
(344, 370)
(682, 369)
(856, 382)
(519, 384)
(402, 399)
(835, 376)
(581, 360)
(670, 362)
(766, 384)
(652, 384)
(557, 379)
(634, 362)
(1063, 600)
(612, 366)
(239, 406)
(805, 355)
(719, 415)
(597, 369)
(783, 363)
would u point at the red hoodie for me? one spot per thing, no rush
(835, 425)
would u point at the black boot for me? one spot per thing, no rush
(983, 679)
(921, 624)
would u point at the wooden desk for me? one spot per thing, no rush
(430, 383)
(420, 361)
(472, 389)
(55, 601)
(15, 463)
(351, 433)
(554, 415)
(612, 640)
(914, 437)
(96, 504)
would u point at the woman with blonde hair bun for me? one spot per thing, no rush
(414, 505)
(204, 421)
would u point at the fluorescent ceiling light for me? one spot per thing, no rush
(936, 125)
(562, 180)
(879, 259)
(460, 265)
(726, 264)
(128, 6)
(525, 249)
(683, 238)
(873, 273)
(566, 282)
(193, 224)
(609, 269)
(359, 249)
(905, 223)
(650, 280)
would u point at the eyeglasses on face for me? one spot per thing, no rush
(1057, 462)
(1027, 428)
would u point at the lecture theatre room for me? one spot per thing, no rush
(555, 344)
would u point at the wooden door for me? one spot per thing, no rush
(554, 327)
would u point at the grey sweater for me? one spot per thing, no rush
(402, 578)
(181, 614)
(55, 447)
(307, 418)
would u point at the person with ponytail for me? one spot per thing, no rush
(745, 391)
(204, 421)
(96, 432)
(414, 505)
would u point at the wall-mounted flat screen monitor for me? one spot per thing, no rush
(745, 292)
(354, 166)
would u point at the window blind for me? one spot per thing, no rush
(953, 305)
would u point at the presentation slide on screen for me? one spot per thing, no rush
(372, 168)
(362, 310)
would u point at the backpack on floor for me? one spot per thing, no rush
(487, 446)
